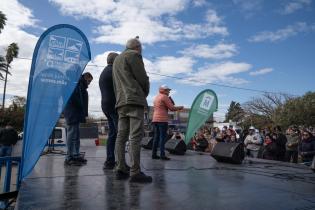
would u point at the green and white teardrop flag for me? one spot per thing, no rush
(202, 108)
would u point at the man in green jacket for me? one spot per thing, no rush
(131, 87)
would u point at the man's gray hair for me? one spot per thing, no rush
(133, 43)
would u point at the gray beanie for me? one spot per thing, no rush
(133, 43)
(111, 57)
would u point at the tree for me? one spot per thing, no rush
(3, 67)
(266, 105)
(297, 111)
(19, 101)
(280, 109)
(2, 21)
(14, 114)
(11, 52)
(2, 60)
(235, 112)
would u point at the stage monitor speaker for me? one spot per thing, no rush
(147, 142)
(228, 152)
(313, 164)
(176, 146)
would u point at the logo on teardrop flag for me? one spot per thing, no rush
(202, 108)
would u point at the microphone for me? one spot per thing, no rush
(171, 100)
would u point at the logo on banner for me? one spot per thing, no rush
(206, 103)
(57, 41)
(63, 50)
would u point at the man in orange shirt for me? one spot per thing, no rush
(162, 103)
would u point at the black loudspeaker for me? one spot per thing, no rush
(176, 146)
(147, 142)
(228, 152)
(313, 164)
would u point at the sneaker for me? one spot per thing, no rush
(81, 160)
(155, 157)
(72, 162)
(141, 178)
(109, 165)
(127, 168)
(165, 158)
(121, 175)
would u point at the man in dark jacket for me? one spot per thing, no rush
(281, 141)
(131, 86)
(8, 138)
(108, 107)
(75, 113)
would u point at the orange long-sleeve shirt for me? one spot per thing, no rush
(162, 104)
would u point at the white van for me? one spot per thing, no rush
(58, 138)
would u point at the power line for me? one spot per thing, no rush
(211, 83)
(191, 80)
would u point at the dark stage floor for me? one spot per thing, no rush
(192, 181)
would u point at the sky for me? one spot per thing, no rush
(189, 45)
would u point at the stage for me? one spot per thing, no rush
(192, 181)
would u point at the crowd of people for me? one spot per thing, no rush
(295, 144)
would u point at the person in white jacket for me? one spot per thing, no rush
(253, 142)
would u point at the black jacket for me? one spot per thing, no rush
(107, 89)
(77, 107)
(8, 136)
(307, 149)
(270, 151)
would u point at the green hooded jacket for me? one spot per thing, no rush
(131, 83)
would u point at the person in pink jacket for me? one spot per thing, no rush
(162, 103)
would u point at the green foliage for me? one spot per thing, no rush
(298, 111)
(2, 21)
(12, 52)
(235, 113)
(270, 110)
(259, 121)
(14, 113)
(3, 67)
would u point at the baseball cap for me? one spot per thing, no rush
(165, 87)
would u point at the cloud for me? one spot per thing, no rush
(153, 21)
(199, 3)
(17, 83)
(282, 34)
(218, 73)
(218, 51)
(18, 18)
(151, 98)
(248, 7)
(295, 5)
(261, 71)
(173, 65)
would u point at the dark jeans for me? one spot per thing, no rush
(73, 141)
(160, 133)
(5, 151)
(291, 154)
(112, 118)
